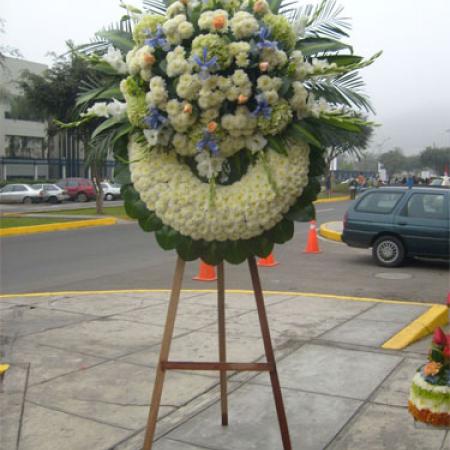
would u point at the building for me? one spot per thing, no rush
(25, 152)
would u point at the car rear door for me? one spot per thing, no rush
(423, 223)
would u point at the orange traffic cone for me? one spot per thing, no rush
(312, 245)
(206, 272)
(270, 261)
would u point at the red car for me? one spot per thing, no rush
(78, 189)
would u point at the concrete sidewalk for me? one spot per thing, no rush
(82, 368)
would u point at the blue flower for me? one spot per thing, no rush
(262, 107)
(205, 64)
(264, 34)
(157, 40)
(208, 143)
(155, 119)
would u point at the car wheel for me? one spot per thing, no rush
(388, 251)
(53, 200)
(27, 201)
(109, 197)
(82, 197)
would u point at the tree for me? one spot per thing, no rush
(55, 94)
(437, 159)
(6, 50)
(394, 161)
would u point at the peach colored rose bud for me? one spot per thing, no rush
(264, 66)
(212, 126)
(185, 2)
(432, 368)
(218, 22)
(242, 99)
(187, 108)
(259, 7)
(149, 58)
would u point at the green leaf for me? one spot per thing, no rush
(301, 214)
(188, 249)
(236, 252)
(298, 131)
(276, 144)
(342, 60)
(168, 238)
(119, 39)
(437, 355)
(106, 125)
(314, 45)
(342, 123)
(122, 174)
(262, 246)
(275, 5)
(212, 253)
(136, 209)
(150, 223)
(283, 231)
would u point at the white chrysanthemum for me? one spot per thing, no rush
(177, 63)
(180, 120)
(255, 143)
(243, 25)
(177, 29)
(175, 9)
(241, 210)
(275, 58)
(299, 100)
(240, 52)
(188, 86)
(242, 123)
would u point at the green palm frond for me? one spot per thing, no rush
(322, 20)
(156, 6)
(345, 89)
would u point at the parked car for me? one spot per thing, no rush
(111, 191)
(21, 193)
(78, 189)
(440, 181)
(52, 192)
(398, 222)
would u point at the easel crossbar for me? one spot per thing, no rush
(228, 366)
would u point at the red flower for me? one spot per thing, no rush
(439, 337)
(447, 351)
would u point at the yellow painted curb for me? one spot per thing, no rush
(58, 226)
(3, 368)
(328, 233)
(333, 199)
(436, 316)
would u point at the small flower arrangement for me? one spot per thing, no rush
(228, 105)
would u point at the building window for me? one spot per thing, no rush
(24, 147)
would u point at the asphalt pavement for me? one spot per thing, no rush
(124, 257)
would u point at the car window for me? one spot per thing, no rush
(104, 185)
(115, 185)
(72, 183)
(379, 202)
(436, 182)
(8, 188)
(36, 187)
(426, 206)
(20, 188)
(50, 187)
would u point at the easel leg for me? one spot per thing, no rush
(222, 342)
(164, 354)
(269, 353)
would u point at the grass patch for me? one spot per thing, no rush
(324, 194)
(8, 222)
(114, 211)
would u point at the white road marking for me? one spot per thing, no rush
(325, 210)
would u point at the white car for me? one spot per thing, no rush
(441, 181)
(21, 193)
(111, 191)
(52, 192)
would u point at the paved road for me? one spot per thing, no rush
(124, 257)
(8, 208)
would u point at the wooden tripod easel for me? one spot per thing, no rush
(222, 366)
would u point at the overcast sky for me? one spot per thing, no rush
(409, 85)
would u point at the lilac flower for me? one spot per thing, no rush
(208, 143)
(155, 119)
(157, 40)
(262, 107)
(264, 34)
(205, 64)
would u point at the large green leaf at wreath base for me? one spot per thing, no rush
(215, 252)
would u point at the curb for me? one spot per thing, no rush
(58, 226)
(333, 199)
(436, 316)
(328, 233)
